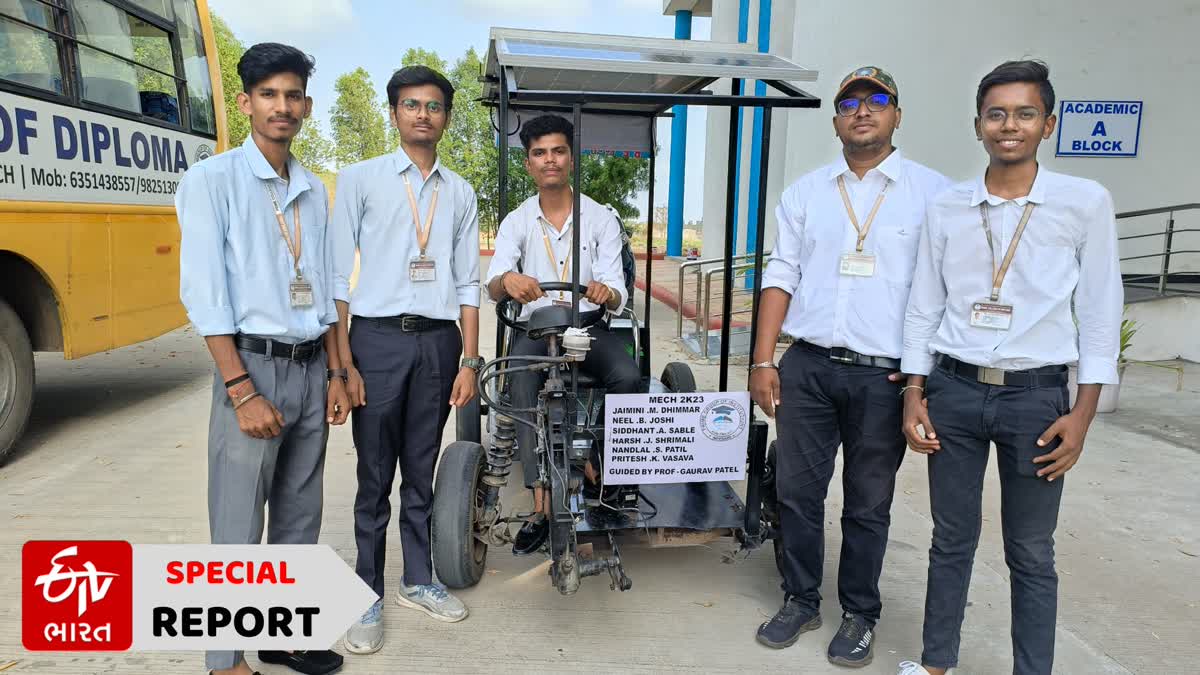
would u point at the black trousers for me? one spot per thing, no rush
(825, 404)
(408, 378)
(968, 417)
(606, 361)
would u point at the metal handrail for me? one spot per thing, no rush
(702, 317)
(684, 268)
(1168, 235)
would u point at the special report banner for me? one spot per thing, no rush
(116, 596)
(675, 438)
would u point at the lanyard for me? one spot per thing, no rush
(422, 235)
(866, 227)
(566, 266)
(1000, 272)
(293, 248)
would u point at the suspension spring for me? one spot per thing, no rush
(500, 452)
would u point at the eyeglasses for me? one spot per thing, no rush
(1026, 117)
(875, 103)
(412, 105)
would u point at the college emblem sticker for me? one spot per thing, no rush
(722, 419)
(203, 152)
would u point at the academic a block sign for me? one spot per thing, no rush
(1099, 128)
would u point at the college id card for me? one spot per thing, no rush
(991, 315)
(300, 293)
(422, 269)
(857, 265)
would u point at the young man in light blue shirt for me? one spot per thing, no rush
(415, 226)
(256, 277)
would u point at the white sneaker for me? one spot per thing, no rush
(911, 668)
(434, 600)
(366, 635)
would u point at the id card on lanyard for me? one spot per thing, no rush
(992, 313)
(422, 269)
(858, 263)
(300, 291)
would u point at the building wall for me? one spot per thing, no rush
(938, 51)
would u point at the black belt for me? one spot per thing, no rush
(409, 323)
(300, 351)
(850, 357)
(1046, 376)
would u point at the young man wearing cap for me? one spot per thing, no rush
(1017, 276)
(255, 274)
(414, 224)
(838, 283)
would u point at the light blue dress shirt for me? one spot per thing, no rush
(234, 266)
(372, 214)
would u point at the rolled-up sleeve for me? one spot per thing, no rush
(329, 315)
(608, 269)
(343, 233)
(466, 252)
(508, 247)
(926, 299)
(1099, 296)
(203, 283)
(783, 269)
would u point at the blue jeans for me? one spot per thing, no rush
(967, 416)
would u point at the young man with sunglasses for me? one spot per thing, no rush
(838, 282)
(1017, 277)
(255, 274)
(415, 227)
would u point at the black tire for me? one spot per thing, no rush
(770, 505)
(467, 423)
(16, 379)
(458, 556)
(678, 378)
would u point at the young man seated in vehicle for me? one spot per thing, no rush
(537, 236)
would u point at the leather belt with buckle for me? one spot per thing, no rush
(1046, 376)
(850, 357)
(409, 323)
(299, 351)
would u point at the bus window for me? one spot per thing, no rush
(142, 79)
(159, 7)
(29, 56)
(195, 68)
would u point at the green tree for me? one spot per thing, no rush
(312, 148)
(356, 119)
(229, 51)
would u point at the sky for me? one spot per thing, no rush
(345, 34)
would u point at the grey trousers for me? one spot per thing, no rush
(282, 474)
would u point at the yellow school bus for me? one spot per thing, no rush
(103, 106)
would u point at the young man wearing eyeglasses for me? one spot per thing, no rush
(1017, 276)
(414, 225)
(837, 282)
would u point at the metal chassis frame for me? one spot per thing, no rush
(511, 98)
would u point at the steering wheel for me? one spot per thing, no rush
(503, 304)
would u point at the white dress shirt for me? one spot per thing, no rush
(1067, 255)
(830, 309)
(520, 240)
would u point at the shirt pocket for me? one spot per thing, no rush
(895, 247)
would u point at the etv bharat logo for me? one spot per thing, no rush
(722, 419)
(64, 581)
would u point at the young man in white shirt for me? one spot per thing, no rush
(537, 236)
(1003, 259)
(838, 283)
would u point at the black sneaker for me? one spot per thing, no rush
(852, 646)
(531, 536)
(312, 662)
(788, 623)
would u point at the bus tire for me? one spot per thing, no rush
(16, 379)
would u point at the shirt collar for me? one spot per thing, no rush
(403, 162)
(1037, 192)
(892, 166)
(261, 168)
(540, 217)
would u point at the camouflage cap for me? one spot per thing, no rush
(872, 74)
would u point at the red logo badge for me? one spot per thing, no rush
(77, 596)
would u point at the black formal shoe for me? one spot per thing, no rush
(531, 536)
(787, 625)
(852, 644)
(311, 662)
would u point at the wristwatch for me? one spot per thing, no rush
(472, 362)
(337, 372)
